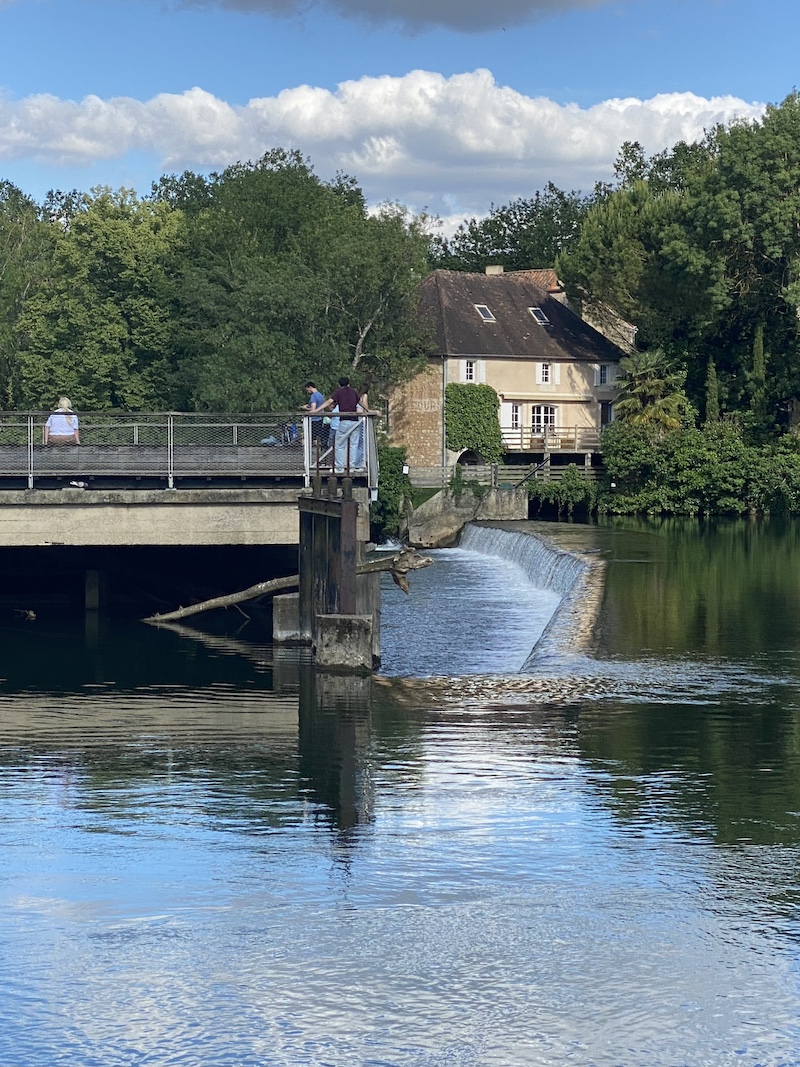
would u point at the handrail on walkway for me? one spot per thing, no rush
(168, 447)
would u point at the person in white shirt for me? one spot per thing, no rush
(62, 426)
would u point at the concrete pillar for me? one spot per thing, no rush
(344, 643)
(286, 627)
(368, 602)
(93, 590)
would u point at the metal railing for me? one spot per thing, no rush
(170, 447)
(494, 474)
(551, 439)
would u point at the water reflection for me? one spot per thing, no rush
(212, 854)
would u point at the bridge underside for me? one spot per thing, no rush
(132, 580)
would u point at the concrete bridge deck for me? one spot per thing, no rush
(167, 479)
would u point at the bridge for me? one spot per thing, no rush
(170, 478)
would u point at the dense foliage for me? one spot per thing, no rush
(471, 420)
(394, 490)
(708, 471)
(223, 292)
(700, 247)
(523, 234)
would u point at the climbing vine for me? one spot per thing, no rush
(471, 420)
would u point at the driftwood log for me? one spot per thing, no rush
(398, 566)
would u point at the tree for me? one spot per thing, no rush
(286, 277)
(650, 392)
(524, 234)
(26, 247)
(712, 393)
(98, 325)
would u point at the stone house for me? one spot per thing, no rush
(553, 372)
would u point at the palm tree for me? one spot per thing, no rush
(651, 391)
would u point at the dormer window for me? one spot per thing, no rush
(540, 316)
(484, 313)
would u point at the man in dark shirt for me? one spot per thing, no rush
(349, 446)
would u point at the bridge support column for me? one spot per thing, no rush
(94, 590)
(338, 611)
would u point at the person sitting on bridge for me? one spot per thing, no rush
(62, 426)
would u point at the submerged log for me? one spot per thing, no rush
(398, 566)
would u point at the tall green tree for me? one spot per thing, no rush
(701, 249)
(651, 392)
(524, 234)
(26, 248)
(287, 277)
(98, 325)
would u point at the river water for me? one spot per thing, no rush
(209, 856)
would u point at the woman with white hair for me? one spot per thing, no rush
(62, 426)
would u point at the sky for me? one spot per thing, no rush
(446, 106)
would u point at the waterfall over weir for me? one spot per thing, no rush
(578, 579)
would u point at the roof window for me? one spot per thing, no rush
(540, 316)
(484, 313)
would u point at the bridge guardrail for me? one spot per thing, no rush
(167, 446)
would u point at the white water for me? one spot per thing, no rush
(479, 609)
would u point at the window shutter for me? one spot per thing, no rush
(538, 374)
(596, 374)
(556, 371)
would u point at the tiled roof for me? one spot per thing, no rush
(449, 297)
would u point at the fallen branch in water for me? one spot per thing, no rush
(398, 566)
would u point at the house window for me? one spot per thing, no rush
(543, 419)
(602, 377)
(540, 316)
(484, 313)
(469, 370)
(546, 375)
(515, 413)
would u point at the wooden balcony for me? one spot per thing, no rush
(552, 439)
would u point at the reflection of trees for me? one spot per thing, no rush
(729, 773)
(726, 588)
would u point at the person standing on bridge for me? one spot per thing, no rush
(62, 426)
(347, 440)
(319, 431)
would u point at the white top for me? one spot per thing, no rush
(61, 424)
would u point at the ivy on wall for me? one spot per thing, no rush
(471, 422)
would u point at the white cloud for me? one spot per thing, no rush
(453, 145)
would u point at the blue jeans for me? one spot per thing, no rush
(349, 436)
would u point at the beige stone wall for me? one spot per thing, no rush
(416, 417)
(575, 395)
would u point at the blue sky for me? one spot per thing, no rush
(448, 105)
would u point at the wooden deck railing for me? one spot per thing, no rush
(552, 439)
(493, 474)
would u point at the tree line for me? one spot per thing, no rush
(223, 292)
(228, 291)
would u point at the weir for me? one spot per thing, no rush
(578, 578)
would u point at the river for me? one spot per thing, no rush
(477, 859)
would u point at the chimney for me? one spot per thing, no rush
(495, 268)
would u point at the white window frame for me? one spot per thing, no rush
(602, 374)
(470, 370)
(485, 312)
(544, 419)
(539, 316)
(516, 416)
(550, 376)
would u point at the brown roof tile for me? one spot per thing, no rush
(449, 298)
